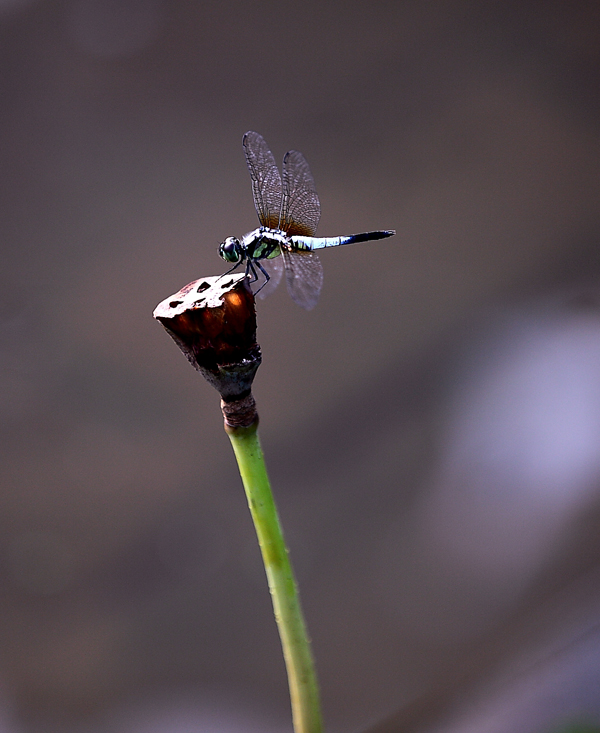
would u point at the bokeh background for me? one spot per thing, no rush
(432, 427)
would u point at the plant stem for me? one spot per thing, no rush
(300, 666)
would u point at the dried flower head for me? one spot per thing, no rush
(213, 321)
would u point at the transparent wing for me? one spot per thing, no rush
(304, 276)
(275, 269)
(301, 208)
(266, 179)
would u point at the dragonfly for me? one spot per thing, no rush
(288, 210)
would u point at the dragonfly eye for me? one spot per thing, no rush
(230, 250)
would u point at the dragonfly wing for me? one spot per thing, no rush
(304, 276)
(275, 269)
(301, 208)
(266, 179)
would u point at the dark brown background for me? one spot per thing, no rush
(432, 428)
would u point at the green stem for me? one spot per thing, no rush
(302, 678)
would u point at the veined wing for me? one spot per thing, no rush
(301, 209)
(266, 179)
(304, 276)
(274, 267)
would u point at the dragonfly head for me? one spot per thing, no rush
(231, 250)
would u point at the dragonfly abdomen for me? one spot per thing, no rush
(312, 243)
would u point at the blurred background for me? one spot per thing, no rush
(432, 427)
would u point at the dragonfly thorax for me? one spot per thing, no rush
(264, 243)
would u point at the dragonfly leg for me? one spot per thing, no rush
(251, 273)
(231, 269)
(265, 273)
(250, 269)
